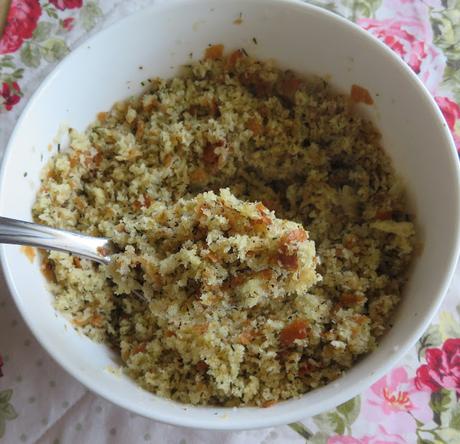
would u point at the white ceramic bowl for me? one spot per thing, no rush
(300, 37)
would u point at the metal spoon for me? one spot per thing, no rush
(19, 232)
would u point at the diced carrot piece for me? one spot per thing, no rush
(235, 281)
(152, 104)
(202, 367)
(96, 320)
(350, 299)
(29, 252)
(304, 369)
(147, 201)
(288, 261)
(137, 205)
(297, 329)
(140, 126)
(384, 215)
(267, 404)
(52, 174)
(210, 157)
(212, 257)
(214, 52)
(259, 226)
(214, 108)
(293, 84)
(255, 126)
(74, 160)
(76, 261)
(246, 337)
(168, 159)
(139, 348)
(200, 328)
(263, 88)
(349, 241)
(288, 87)
(233, 58)
(360, 319)
(97, 159)
(262, 211)
(102, 116)
(361, 95)
(200, 233)
(295, 235)
(47, 270)
(198, 176)
(79, 322)
(265, 274)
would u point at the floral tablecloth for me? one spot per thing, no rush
(417, 402)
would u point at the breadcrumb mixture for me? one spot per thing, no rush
(236, 313)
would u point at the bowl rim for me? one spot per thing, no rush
(281, 417)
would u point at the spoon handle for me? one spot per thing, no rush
(18, 232)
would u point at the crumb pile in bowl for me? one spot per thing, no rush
(225, 335)
(222, 275)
